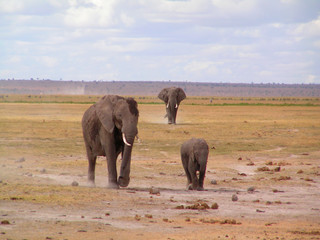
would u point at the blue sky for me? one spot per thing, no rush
(238, 41)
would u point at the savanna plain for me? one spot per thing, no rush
(262, 180)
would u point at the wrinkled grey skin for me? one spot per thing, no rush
(172, 98)
(109, 128)
(194, 157)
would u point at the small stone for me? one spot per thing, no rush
(43, 170)
(75, 184)
(214, 182)
(215, 206)
(234, 198)
(251, 189)
(250, 163)
(277, 169)
(154, 191)
(263, 169)
(21, 160)
(5, 222)
(179, 207)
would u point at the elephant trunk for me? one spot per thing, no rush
(172, 109)
(124, 177)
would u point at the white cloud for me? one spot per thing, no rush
(47, 61)
(310, 29)
(234, 40)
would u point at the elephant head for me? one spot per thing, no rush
(172, 98)
(109, 128)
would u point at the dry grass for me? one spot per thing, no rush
(49, 136)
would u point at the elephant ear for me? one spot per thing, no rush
(163, 95)
(104, 110)
(181, 95)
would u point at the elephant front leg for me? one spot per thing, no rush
(112, 165)
(91, 170)
(112, 172)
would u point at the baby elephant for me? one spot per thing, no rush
(194, 157)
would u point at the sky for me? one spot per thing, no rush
(229, 41)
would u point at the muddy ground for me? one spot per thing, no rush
(147, 209)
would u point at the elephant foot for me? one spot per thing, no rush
(200, 189)
(113, 186)
(123, 182)
(91, 184)
(189, 187)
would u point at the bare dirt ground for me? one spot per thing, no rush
(277, 189)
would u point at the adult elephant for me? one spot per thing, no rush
(194, 157)
(109, 128)
(172, 98)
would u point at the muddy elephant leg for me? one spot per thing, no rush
(108, 143)
(185, 166)
(91, 170)
(91, 165)
(112, 166)
(193, 173)
(201, 180)
(112, 169)
(174, 115)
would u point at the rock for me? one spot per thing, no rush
(234, 198)
(155, 191)
(5, 222)
(200, 205)
(215, 206)
(263, 169)
(43, 170)
(75, 184)
(21, 160)
(277, 169)
(179, 207)
(251, 189)
(213, 182)
(250, 163)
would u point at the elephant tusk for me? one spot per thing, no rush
(176, 105)
(125, 140)
(168, 105)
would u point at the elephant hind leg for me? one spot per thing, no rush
(201, 180)
(185, 167)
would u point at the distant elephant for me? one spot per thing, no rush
(194, 157)
(109, 128)
(172, 98)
